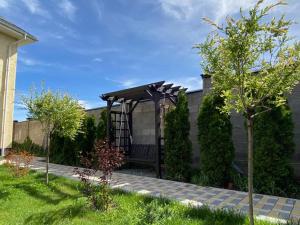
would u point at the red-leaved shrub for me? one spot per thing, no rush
(19, 162)
(104, 159)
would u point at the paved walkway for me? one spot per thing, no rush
(265, 206)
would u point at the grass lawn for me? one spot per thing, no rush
(28, 200)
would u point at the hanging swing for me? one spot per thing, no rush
(124, 112)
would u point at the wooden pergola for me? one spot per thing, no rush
(131, 98)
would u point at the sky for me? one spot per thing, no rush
(90, 47)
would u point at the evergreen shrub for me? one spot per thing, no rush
(178, 147)
(215, 139)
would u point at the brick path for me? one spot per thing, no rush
(265, 206)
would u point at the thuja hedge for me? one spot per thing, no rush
(273, 149)
(215, 139)
(178, 147)
(66, 151)
(102, 126)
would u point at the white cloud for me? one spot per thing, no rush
(4, 4)
(32, 62)
(68, 9)
(94, 50)
(230, 7)
(98, 60)
(215, 9)
(179, 9)
(191, 82)
(97, 5)
(125, 83)
(89, 104)
(129, 83)
(35, 7)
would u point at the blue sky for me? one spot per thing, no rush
(89, 47)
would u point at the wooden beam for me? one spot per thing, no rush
(156, 99)
(108, 132)
(149, 92)
(135, 105)
(172, 100)
(130, 125)
(164, 87)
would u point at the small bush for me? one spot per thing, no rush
(105, 159)
(19, 162)
(157, 211)
(178, 147)
(240, 182)
(30, 147)
(215, 139)
(200, 179)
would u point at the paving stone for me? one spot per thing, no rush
(223, 197)
(236, 201)
(290, 201)
(285, 216)
(267, 207)
(263, 212)
(272, 206)
(287, 208)
(216, 202)
(272, 200)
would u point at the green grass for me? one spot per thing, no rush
(28, 200)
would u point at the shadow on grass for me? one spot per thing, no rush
(55, 216)
(49, 194)
(218, 216)
(4, 194)
(41, 177)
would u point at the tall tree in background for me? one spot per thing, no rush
(273, 150)
(215, 139)
(58, 113)
(253, 63)
(67, 151)
(178, 147)
(102, 126)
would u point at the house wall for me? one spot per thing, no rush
(5, 43)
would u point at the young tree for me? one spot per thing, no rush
(178, 147)
(58, 113)
(215, 139)
(252, 61)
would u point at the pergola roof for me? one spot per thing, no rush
(142, 92)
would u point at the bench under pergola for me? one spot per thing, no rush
(119, 127)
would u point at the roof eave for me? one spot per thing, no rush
(25, 38)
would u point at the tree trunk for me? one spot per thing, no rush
(250, 168)
(47, 159)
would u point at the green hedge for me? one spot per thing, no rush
(102, 126)
(215, 139)
(273, 149)
(67, 151)
(30, 147)
(178, 147)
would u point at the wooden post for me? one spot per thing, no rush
(156, 99)
(108, 131)
(130, 125)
